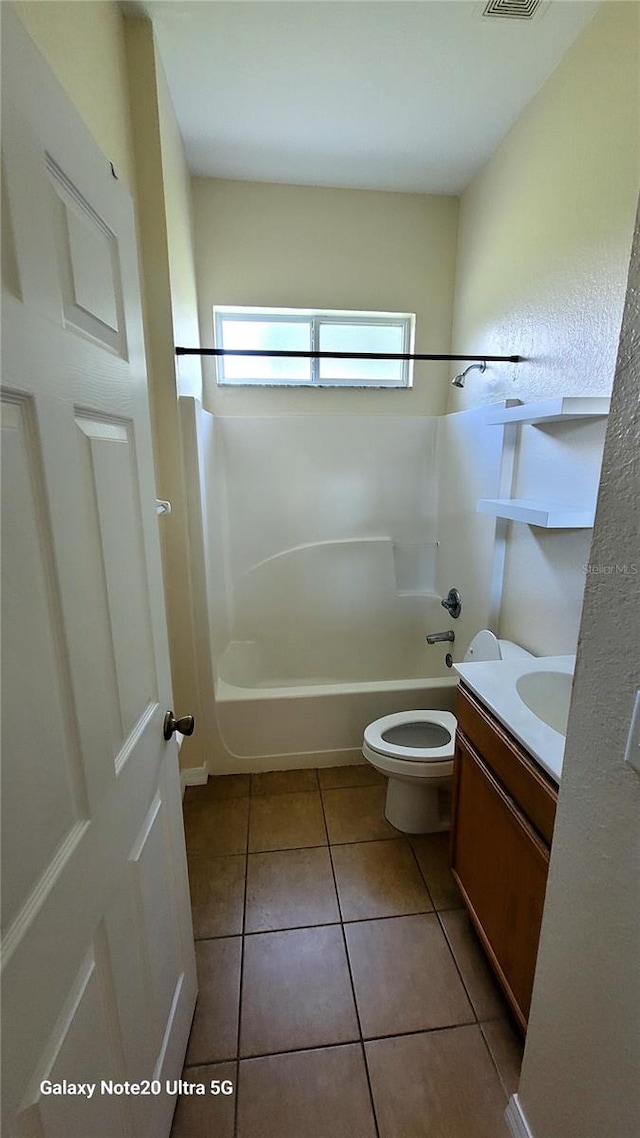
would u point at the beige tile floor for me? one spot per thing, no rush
(342, 989)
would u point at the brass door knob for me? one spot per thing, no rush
(185, 726)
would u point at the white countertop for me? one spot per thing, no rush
(494, 682)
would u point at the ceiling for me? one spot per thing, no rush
(407, 96)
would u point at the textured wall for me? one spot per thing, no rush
(302, 246)
(580, 1073)
(545, 232)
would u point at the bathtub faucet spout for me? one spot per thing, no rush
(436, 637)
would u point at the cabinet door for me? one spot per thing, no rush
(501, 866)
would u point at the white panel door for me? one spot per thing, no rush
(98, 961)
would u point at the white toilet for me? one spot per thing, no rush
(415, 750)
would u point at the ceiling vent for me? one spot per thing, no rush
(513, 9)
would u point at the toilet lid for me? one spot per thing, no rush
(424, 736)
(484, 646)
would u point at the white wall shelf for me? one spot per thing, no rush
(541, 512)
(548, 515)
(552, 410)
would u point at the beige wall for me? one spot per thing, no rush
(545, 232)
(164, 227)
(83, 44)
(308, 247)
(176, 188)
(580, 1071)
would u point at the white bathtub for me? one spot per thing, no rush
(268, 723)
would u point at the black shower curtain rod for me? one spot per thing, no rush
(344, 355)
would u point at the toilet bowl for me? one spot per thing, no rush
(414, 749)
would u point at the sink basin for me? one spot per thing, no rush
(531, 699)
(547, 695)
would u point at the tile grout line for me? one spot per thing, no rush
(444, 933)
(312, 846)
(457, 966)
(281, 793)
(493, 1060)
(351, 981)
(203, 799)
(321, 924)
(422, 875)
(459, 971)
(340, 1043)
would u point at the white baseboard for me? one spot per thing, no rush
(193, 776)
(516, 1120)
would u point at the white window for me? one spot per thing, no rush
(306, 330)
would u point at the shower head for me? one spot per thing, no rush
(458, 380)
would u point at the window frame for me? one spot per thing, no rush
(315, 317)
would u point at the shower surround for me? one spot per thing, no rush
(318, 534)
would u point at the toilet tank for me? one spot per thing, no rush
(486, 646)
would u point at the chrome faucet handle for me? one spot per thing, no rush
(453, 603)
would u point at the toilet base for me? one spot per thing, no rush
(414, 808)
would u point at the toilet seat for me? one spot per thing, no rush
(373, 736)
(419, 774)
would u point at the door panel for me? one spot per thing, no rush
(89, 265)
(35, 826)
(80, 1043)
(28, 214)
(98, 960)
(155, 918)
(130, 982)
(109, 466)
(10, 276)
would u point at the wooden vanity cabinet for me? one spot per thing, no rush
(503, 813)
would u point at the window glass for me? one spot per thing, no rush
(303, 330)
(268, 335)
(343, 337)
